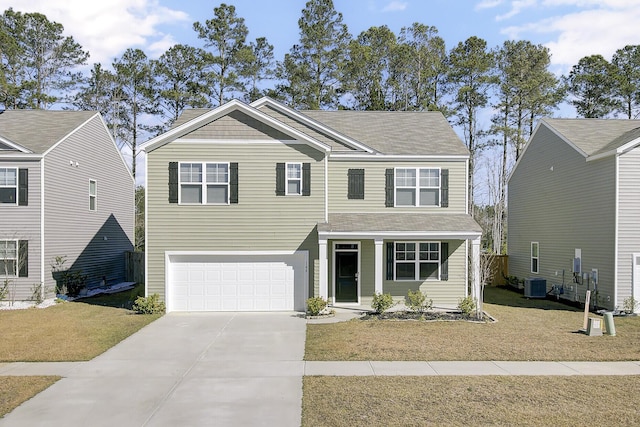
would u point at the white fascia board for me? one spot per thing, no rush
(15, 146)
(381, 235)
(222, 110)
(396, 157)
(318, 126)
(230, 253)
(19, 156)
(620, 150)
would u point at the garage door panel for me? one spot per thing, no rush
(235, 283)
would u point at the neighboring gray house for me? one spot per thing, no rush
(65, 191)
(258, 207)
(574, 209)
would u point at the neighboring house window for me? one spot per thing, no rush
(293, 179)
(355, 185)
(417, 261)
(13, 258)
(535, 257)
(8, 185)
(417, 187)
(93, 195)
(204, 183)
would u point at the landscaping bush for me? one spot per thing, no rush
(629, 305)
(467, 306)
(417, 301)
(149, 305)
(381, 302)
(315, 305)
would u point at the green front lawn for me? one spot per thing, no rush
(526, 329)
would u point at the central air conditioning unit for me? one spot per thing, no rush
(535, 287)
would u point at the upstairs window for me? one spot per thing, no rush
(93, 195)
(417, 187)
(8, 185)
(294, 179)
(204, 183)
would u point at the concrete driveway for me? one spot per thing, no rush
(196, 369)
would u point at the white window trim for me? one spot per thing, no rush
(17, 267)
(537, 258)
(287, 179)
(417, 187)
(203, 183)
(93, 196)
(12, 186)
(417, 261)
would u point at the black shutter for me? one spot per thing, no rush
(173, 182)
(306, 179)
(389, 260)
(280, 178)
(233, 182)
(23, 258)
(444, 188)
(388, 188)
(444, 264)
(355, 188)
(23, 187)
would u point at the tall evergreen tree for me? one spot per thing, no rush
(98, 93)
(592, 84)
(258, 66)
(225, 35)
(135, 97)
(313, 70)
(470, 75)
(626, 62)
(38, 62)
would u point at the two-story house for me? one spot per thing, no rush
(66, 201)
(259, 206)
(574, 210)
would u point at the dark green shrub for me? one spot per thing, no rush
(149, 305)
(382, 302)
(315, 305)
(417, 301)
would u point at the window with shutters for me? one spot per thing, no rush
(9, 185)
(419, 261)
(294, 179)
(417, 187)
(204, 183)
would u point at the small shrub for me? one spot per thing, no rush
(315, 305)
(36, 293)
(149, 305)
(381, 302)
(73, 282)
(467, 306)
(630, 304)
(417, 301)
(4, 289)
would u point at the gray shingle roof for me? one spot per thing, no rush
(39, 130)
(399, 222)
(596, 136)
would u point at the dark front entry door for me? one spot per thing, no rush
(346, 276)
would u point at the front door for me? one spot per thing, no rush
(346, 275)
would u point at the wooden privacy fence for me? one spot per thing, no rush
(135, 266)
(497, 267)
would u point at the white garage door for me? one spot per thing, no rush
(238, 282)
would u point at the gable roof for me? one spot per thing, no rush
(36, 131)
(595, 138)
(395, 133)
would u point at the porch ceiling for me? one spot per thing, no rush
(399, 225)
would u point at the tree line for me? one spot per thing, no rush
(327, 69)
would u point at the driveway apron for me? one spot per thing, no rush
(195, 369)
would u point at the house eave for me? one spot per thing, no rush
(388, 235)
(15, 146)
(397, 157)
(20, 156)
(620, 150)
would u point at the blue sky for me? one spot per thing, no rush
(570, 28)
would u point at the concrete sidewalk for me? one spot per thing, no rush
(378, 368)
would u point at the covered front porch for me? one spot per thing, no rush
(364, 254)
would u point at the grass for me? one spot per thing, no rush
(526, 330)
(15, 390)
(464, 401)
(70, 331)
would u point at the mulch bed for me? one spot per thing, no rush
(425, 316)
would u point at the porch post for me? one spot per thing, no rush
(379, 262)
(323, 274)
(475, 274)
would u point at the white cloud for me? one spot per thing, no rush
(107, 28)
(516, 8)
(488, 4)
(395, 6)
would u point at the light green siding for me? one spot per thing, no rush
(374, 192)
(628, 220)
(261, 221)
(563, 202)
